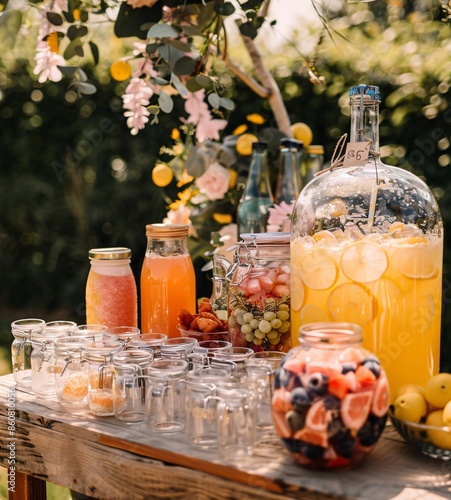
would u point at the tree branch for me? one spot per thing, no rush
(247, 79)
(267, 80)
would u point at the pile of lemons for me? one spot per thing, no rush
(430, 405)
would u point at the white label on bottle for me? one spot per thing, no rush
(356, 154)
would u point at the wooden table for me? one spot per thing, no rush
(105, 459)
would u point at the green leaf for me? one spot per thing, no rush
(162, 30)
(191, 30)
(84, 16)
(79, 51)
(184, 66)
(85, 88)
(251, 4)
(68, 16)
(193, 85)
(82, 77)
(226, 103)
(73, 49)
(94, 52)
(159, 81)
(170, 54)
(203, 80)
(151, 48)
(273, 23)
(179, 85)
(76, 31)
(214, 100)
(153, 110)
(248, 29)
(223, 8)
(178, 44)
(129, 21)
(55, 19)
(68, 71)
(165, 101)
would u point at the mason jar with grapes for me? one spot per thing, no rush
(259, 293)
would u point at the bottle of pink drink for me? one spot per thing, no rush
(111, 294)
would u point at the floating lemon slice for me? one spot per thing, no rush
(364, 262)
(415, 258)
(318, 269)
(351, 303)
(299, 247)
(297, 291)
(313, 314)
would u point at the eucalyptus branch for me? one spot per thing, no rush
(247, 79)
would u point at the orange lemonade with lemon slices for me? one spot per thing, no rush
(389, 284)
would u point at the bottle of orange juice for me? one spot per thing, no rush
(367, 248)
(168, 281)
(111, 293)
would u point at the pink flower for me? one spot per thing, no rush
(200, 116)
(214, 183)
(280, 217)
(136, 99)
(141, 3)
(47, 63)
(179, 216)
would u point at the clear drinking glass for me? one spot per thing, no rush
(21, 348)
(167, 398)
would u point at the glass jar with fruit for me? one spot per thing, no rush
(330, 399)
(259, 293)
(366, 248)
(71, 370)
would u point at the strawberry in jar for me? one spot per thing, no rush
(259, 293)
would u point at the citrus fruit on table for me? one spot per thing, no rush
(411, 407)
(440, 438)
(438, 390)
(162, 175)
(302, 132)
(244, 144)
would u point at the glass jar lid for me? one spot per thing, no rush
(114, 253)
(167, 230)
(133, 356)
(315, 149)
(171, 368)
(330, 335)
(98, 352)
(65, 346)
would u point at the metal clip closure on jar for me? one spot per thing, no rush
(259, 293)
(71, 370)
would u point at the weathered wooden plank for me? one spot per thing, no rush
(96, 470)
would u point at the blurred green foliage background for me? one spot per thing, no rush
(73, 178)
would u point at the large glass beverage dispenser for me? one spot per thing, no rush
(367, 248)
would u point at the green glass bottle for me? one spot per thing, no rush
(252, 214)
